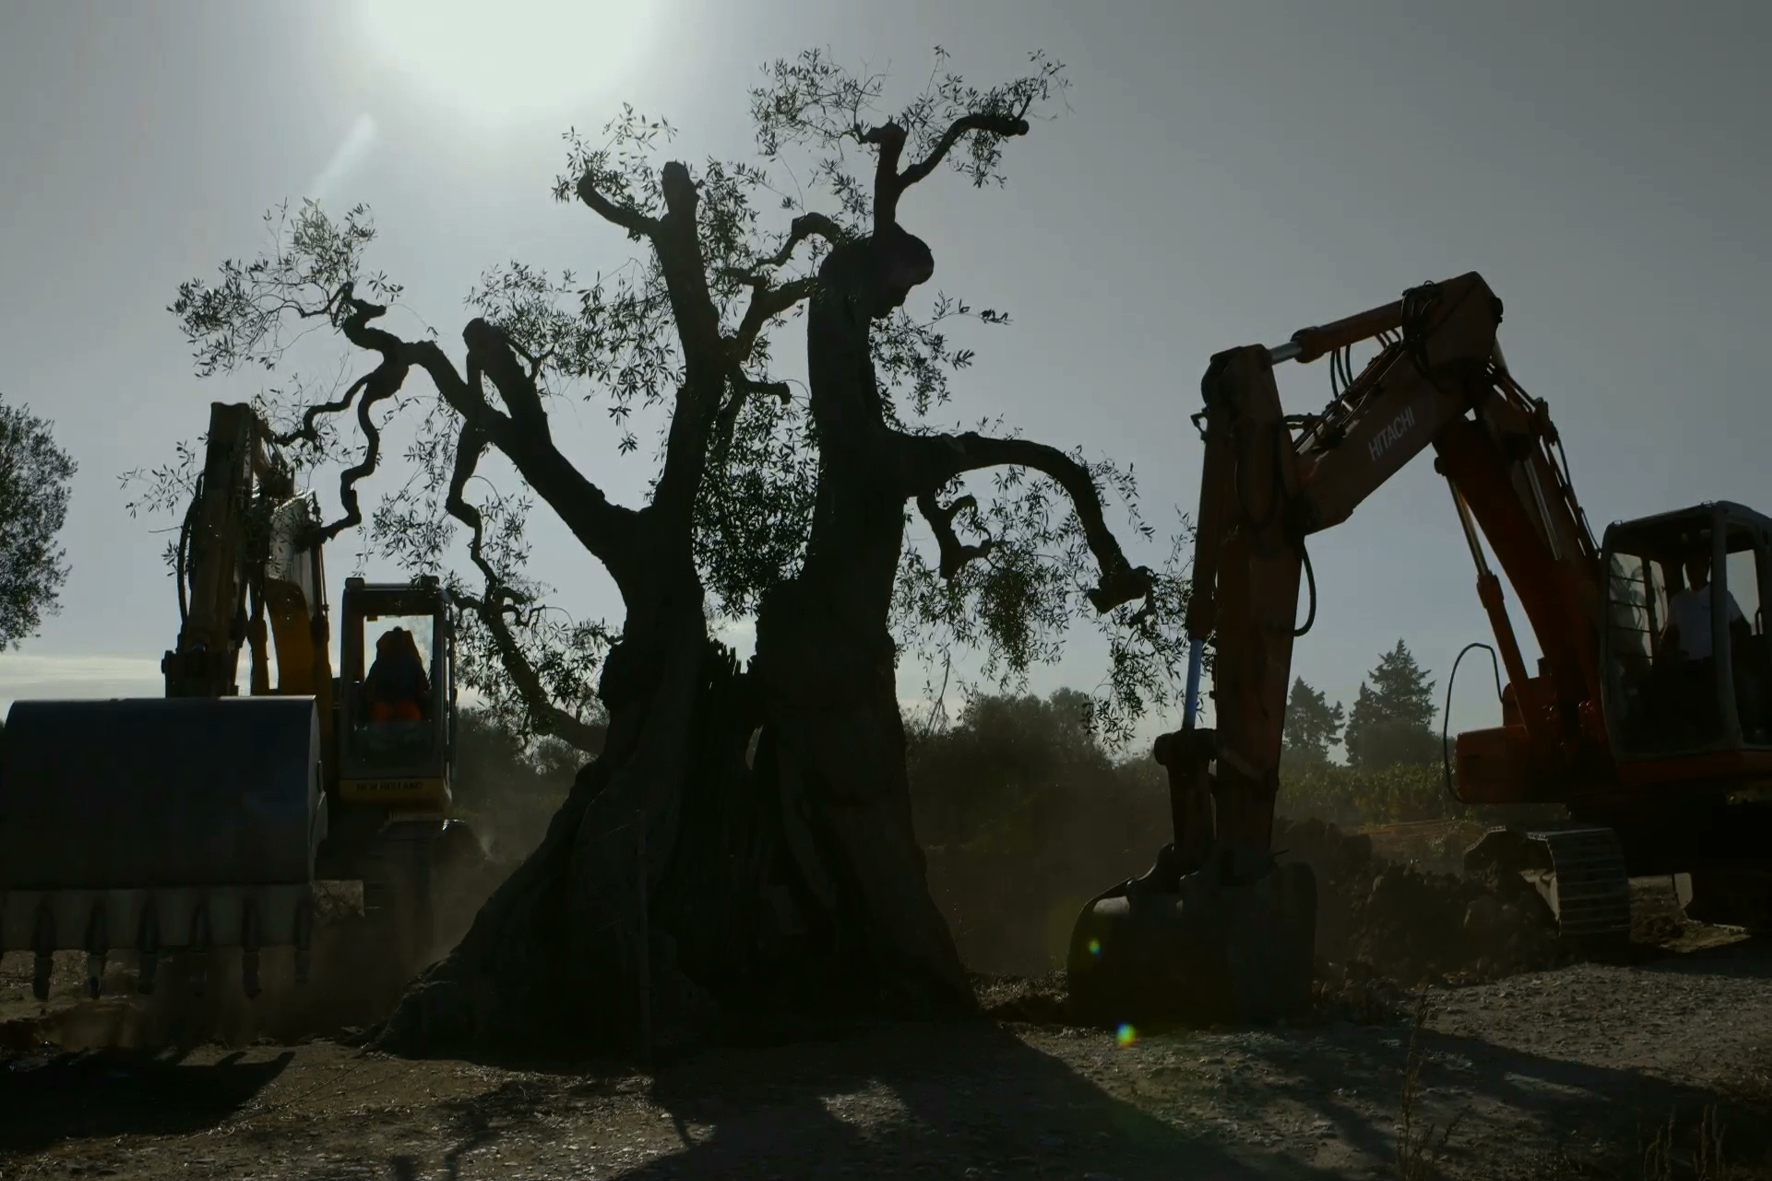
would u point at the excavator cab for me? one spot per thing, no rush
(397, 696)
(1687, 658)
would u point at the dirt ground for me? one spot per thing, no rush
(1567, 1073)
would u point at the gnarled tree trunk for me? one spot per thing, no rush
(555, 958)
(828, 671)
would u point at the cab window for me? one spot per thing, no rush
(395, 701)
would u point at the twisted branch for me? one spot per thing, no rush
(309, 430)
(607, 530)
(637, 224)
(889, 138)
(807, 225)
(954, 552)
(498, 601)
(929, 462)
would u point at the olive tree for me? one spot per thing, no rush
(744, 836)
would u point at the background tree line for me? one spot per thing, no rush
(1393, 769)
(1015, 772)
(1022, 809)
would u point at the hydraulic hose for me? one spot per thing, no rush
(1446, 714)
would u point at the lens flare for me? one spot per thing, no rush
(1125, 1036)
(1095, 947)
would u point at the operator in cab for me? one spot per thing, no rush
(397, 689)
(1688, 677)
(1688, 630)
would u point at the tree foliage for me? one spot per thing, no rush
(1312, 725)
(1024, 814)
(35, 475)
(1001, 755)
(506, 787)
(680, 342)
(1392, 720)
(1353, 796)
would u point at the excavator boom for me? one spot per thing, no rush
(1270, 482)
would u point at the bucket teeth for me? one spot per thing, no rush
(44, 945)
(98, 946)
(199, 946)
(249, 940)
(148, 951)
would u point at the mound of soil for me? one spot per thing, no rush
(1383, 929)
(1379, 919)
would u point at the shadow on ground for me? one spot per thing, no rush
(896, 1100)
(103, 1095)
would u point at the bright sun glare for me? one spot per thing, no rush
(514, 58)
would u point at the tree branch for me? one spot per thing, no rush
(706, 356)
(889, 139)
(492, 606)
(954, 552)
(807, 225)
(1004, 126)
(930, 461)
(380, 384)
(766, 303)
(309, 432)
(890, 183)
(742, 388)
(606, 530)
(637, 224)
(492, 353)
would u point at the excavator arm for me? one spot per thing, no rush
(1270, 482)
(249, 569)
(1217, 929)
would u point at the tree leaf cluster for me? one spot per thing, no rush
(36, 476)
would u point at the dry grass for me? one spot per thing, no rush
(1419, 1153)
(1672, 1150)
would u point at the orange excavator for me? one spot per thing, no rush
(1648, 718)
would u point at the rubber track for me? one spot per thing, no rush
(1592, 889)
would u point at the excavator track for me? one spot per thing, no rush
(1578, 870)
(1588, 888)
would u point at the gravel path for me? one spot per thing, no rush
(1540, 1069)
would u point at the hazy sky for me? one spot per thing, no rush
(1225, 174)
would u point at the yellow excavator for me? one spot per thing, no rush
(207, 820)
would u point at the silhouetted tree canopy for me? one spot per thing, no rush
(35, 475)
(1392, 720)
(1312, 724)
(681, 342)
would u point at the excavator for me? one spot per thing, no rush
(207, 820)
(1646, 725)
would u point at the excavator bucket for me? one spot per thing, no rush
(1213, 933)
(159, 825)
